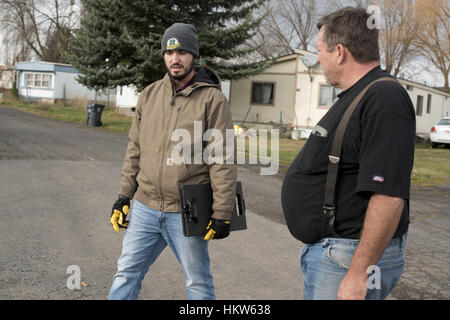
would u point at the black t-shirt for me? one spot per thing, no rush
(377, 157)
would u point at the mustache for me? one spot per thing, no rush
(176, 65)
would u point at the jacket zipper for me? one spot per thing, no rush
(172, 100)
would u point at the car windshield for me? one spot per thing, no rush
(444, 122)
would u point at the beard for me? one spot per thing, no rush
(331, 81)
(183, 74)
(331, 77)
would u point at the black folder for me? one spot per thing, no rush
(196, 205)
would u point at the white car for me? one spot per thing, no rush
(440, 133)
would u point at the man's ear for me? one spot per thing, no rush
(340, 53)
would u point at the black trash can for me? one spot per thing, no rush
(94, 114)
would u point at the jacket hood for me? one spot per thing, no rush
(207, 75)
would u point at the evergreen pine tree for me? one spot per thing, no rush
(119, 42)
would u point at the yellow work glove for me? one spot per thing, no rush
(216, 229)
(119, 213)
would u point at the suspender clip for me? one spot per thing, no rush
(329, 211)
(334, 159)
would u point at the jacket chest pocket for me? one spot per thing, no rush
(313, 157)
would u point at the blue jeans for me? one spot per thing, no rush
(148, 233)
(325, 263)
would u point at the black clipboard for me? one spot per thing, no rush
(196, 205)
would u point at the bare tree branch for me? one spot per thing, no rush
(433, 34)
(37, 26)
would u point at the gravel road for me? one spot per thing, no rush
(59, 181)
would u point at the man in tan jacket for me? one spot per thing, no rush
(188, 97)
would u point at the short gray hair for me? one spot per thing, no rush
(348, 26)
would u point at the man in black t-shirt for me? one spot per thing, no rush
(365, 256)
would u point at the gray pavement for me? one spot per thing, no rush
(59, 181)
(56, 215)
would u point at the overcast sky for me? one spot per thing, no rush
(421, 70)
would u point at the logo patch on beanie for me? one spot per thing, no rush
(172, 43)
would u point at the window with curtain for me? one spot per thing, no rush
(429, 104)
(419, 105)
(263, 92)
(328, 95)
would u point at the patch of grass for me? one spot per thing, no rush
(71, 111)
(288, 149)
(431, 166)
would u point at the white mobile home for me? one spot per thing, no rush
(47, 81)
(127, 97)
(430, 104)
(294, 91)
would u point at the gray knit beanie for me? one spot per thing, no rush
(180, 36)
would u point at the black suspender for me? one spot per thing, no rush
(329, 206)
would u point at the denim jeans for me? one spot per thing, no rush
(325, 263)
(148, 233)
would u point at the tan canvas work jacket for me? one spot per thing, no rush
(148, 172)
